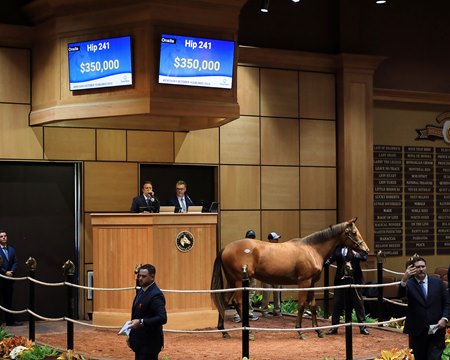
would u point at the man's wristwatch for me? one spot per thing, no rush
(141, 321)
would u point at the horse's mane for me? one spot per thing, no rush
(322, 235)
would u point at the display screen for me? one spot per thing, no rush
(193, 61)
(100, 63)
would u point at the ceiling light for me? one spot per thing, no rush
(264, 6)
(296, 1)
(380, 1)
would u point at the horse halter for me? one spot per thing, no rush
(351, 236)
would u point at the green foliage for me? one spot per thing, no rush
(289, 307)
(38, 352)
(367, 319)
(257, 300)
(165, 357)
(327, 358)
(446, 354)
(4, 334)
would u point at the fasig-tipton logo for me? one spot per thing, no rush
(185, 241)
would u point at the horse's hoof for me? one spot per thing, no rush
(226, 336)
(251, 337)
(302, 336)
(320, 334)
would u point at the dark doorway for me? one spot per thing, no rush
(39, 210)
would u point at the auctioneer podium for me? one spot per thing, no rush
(181, 246)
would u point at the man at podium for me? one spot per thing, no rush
(147, 202)
(181, 200)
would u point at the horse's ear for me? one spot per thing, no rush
(354, 219)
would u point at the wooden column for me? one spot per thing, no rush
(355, 140)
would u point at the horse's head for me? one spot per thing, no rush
(353, 238)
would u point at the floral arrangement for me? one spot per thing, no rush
(446, 353)
(396, 354)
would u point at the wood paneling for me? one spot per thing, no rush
(111, 145)
(69, 144)
(150, 146)
(248, 90)
(279, 141)
(87, 243)
(317, 95)
(239, 187)
(15, 76)
(17, 139)
(197, 147)
(317, 188)
(312, 221)
(234, 225)
(109, 186)
(317, 143)
(285, 223)
(279, 187)
(239, 141)
(279, 93)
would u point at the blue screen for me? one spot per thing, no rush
(193, 61)
(100, 63)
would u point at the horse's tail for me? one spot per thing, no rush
(217, 284)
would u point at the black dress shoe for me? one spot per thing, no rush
(332, 331)
(364, 331)
(15, 323)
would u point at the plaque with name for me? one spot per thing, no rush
(443, 200)
(388, 202)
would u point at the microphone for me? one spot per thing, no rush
(187, 196)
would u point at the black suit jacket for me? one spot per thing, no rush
(340, 263)
(421, 312)
(174, 202)
(139, 203)
(9, 264)
(151, 307)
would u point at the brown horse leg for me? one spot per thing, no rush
(313, 309)
(298, 323)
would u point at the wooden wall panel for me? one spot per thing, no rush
(239, 141)
(111, 145)
(317, 188)
(279, 141)
(279, 187)
(87, 243)
(17, 139)
(234, 225)
(197, 147)
(69, 144)
(279, 93)
(150, 146)
(109, 186)
(15, 76)
(239, 187)
(248, 90)
(317, 95)
(285, 223)
(316, 220)
(317, 143)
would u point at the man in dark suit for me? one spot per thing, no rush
(347, 257)
(148, 316)
(427, 312)
(181, 200)
(8, 269)
(147, 202)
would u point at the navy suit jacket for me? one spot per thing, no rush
(139, 203)
(151, 307)
(340, 262)
(421, 312)
(9, 264)
(174, 202)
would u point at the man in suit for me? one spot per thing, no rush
(181, 200)
(427, 312)
(343, 257)
(8, 269)
(148, 316)
(147, 202)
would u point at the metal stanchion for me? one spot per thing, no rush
(326, 292)
(244, 314)
(380, 307)
(348, 329)
(32, 266)
(69, 272)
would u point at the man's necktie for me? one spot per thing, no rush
(422, 287)
(5, 250)
(183, 204)
(138, 296)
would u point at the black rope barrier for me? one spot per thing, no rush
(244, 315)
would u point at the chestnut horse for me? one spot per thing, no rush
(297, 261)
